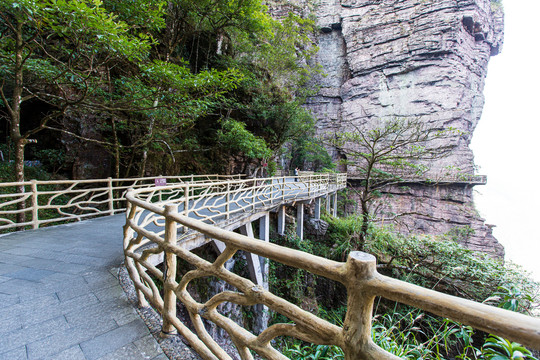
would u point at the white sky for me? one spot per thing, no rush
(506, 144)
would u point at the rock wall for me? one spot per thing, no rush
(424, 59)
(437, 209)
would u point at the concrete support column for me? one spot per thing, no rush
(328, 197)
(281, 220)
(317, 208)
(263, 316)
(300, 220)
(219, 246)
(258, 268)
(264, 235)
(334, 204)
(254, 264)
(264, 228)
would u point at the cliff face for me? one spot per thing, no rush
(424, 59)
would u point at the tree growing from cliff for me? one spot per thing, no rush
(387, 154)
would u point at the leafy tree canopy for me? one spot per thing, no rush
(149, 73)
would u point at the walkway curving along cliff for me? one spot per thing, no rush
(162, 230)
(60, 297)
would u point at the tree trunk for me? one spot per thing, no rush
(19, 177)
(15, 115)
(149, 135)
(116, 150)
(365, 224)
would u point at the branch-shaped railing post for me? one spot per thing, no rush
(253, 193)
(283, 181)
(228, 203)
(160, 193)
(35, 205)
(169, 273)
(186, 200)
(186, 204)
(111, 195)
(357, 325)
(271, 191)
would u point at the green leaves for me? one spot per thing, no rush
(513, 298)
(235, 136)
(498, 348)
(149, 72)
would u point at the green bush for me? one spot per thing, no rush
(434, 262)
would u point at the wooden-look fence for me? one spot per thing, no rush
(45, 202)
(160, 229)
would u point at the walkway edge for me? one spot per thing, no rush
(174, 347)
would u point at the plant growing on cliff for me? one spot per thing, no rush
(437, 263)
(387, 154)
(434, 262)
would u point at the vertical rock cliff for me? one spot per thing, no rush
(423, 59)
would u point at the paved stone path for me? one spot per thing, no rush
(60, 297)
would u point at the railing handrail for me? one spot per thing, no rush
(108, 191)
(358, 274)
(246, 193)
(453, 178)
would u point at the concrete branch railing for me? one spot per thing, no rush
(45, 202)
(163, 287)
(469, 179)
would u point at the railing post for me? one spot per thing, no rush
(357, 325)
(228, 203)
(159, 191)
(169, 273)
(186, 200)
(35, 205)
(111, 196)
(253, 194)
(283, 180)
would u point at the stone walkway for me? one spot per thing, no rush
(60, 297)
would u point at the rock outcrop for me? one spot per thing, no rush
(422, 59)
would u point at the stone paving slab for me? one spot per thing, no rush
(60, 297)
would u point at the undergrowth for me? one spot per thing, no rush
(438, 263)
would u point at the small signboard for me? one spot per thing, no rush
(160, 181)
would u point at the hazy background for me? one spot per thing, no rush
(506, 142)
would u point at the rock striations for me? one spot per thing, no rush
(423, 59)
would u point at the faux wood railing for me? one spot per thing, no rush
(46, 202)
(160, 228)
(437, 179)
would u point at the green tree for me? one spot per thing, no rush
(386, 154)
(274, 58)
(80, 57)
(51, 50)
(148, 73)
(234, 137)
(307, 150)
